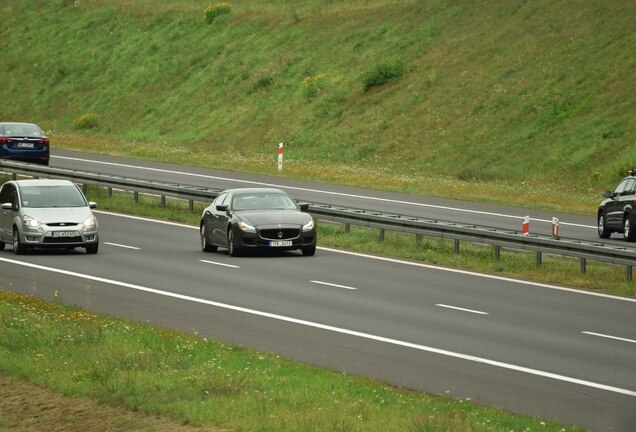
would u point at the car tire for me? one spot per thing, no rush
(92, 249)
(603, 231)
(309, 250)
(18, 247)
(231, 243)
(629, 232)
(205, 245)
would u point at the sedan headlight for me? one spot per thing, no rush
(245, 227)
(309, 225)
(89, 223)
(30, 222)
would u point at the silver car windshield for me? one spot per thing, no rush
(52, 196)
(263, 201)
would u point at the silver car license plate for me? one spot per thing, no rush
(62, 234)
(280, 243)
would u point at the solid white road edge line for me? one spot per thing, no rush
(462, 309)
(333, 285)
(368, 336)
(609, 337)
(317, 191)
(410, 263)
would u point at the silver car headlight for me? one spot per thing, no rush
(246, 228)
(89, 223)
(30, 222)
(309, 225)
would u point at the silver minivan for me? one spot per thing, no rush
(46, 214)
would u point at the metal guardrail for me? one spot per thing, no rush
(498, 238)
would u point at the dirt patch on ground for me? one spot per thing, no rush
(25, 407)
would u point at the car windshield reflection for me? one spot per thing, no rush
(263, 201)
(52, 196)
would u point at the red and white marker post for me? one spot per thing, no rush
(280, 157)
(555, 228)
(525, 226)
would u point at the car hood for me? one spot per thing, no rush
(273, 217)
(51, 215)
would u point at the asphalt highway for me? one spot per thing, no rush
(529, 348)
(510, 218)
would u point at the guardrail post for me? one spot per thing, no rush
(418, 238)
(191, 205)
(583, 265)
(381, 235)
(347, 227)
(14, 176)
(456, 246)
(136, 197)
(629, 273)
(497, 252)
(539, 259)
(110, 192)
(163, 200)
(85, 188)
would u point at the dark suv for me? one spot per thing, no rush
(617, 212)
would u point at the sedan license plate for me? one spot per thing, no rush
(26, 145)
(280, 243)
(62, 234)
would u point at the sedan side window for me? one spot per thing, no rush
(630, 189)
(8, 195)
(620, 189)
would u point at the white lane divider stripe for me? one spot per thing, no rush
(338, 330)
(122, 246)
(609, 337)
(462, 309)
(333, 285)
(219, 264)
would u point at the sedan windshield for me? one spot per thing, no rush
(263, 201)
(52, 196)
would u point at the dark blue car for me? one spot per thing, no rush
(23, 142)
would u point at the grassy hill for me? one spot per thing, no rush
(527, 102)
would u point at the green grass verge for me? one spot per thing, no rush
(202, 382)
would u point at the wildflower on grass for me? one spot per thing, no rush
(214, 11)
(314, 85)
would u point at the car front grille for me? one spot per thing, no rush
(54, 240)
(280, 233)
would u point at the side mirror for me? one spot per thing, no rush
(7, 206)
(221, 208)
(303, 206)
(92, 204)
(607, 194)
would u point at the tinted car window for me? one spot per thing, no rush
(13, 129)
(7, 194)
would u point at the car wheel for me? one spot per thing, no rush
(205, 245)
(603, 232)
(92, 249)
(231, 243)
(18, 248)
(628, 233)
(309, 250)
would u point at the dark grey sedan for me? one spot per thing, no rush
(257, 218)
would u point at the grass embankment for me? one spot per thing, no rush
(527, 103)
(197, 382)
